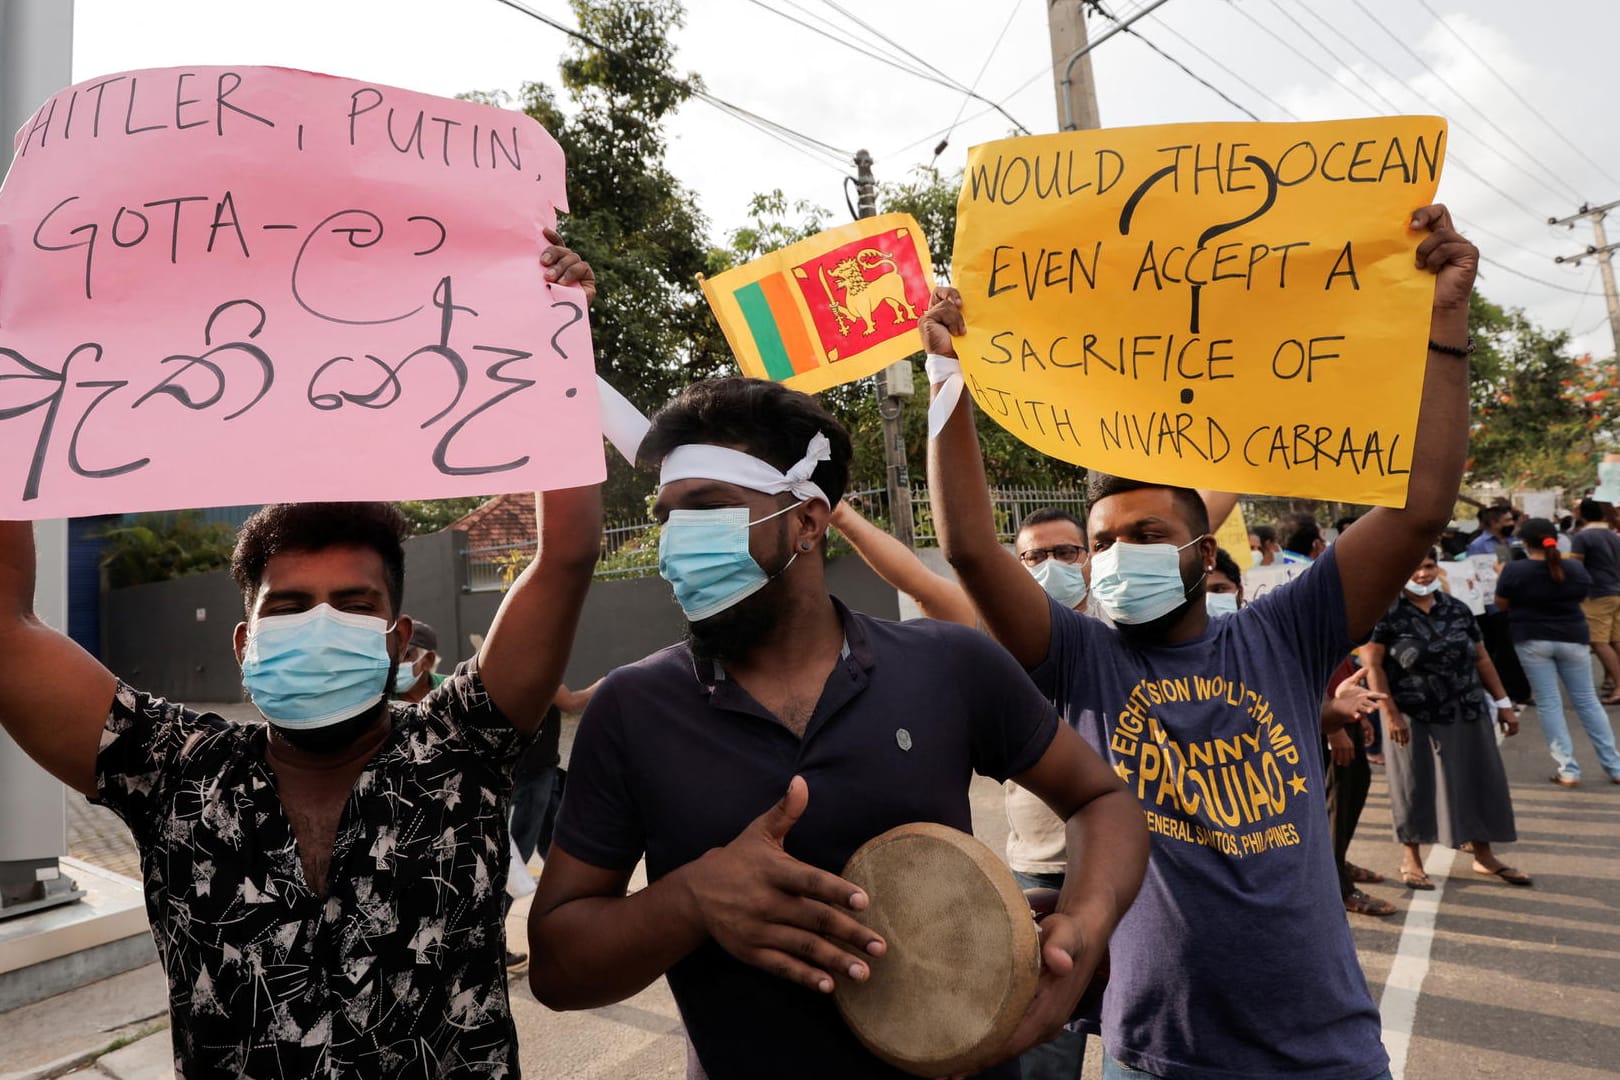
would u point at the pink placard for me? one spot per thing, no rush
(222, 286)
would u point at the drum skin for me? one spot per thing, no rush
(963, 952)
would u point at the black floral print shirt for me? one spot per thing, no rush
(398, 971)
(1430, 660)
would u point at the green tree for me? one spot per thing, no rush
(157, 547)
(431, 515)
(1540, 415)
(629, 217)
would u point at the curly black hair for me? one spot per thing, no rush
(1100, 485)
(763, 418)
(1228, 566)
(314, 526)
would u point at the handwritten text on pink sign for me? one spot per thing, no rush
(223, 286)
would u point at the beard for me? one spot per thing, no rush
(735, 632)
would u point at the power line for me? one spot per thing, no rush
(853, 46)
(1488, 66)
(881, 36)
(1451, 157)
(1381, 66)
(1273, 102)
(1012, 13)
(806, 144)
(1189, 72)
(1530, 277)
(1460, 97)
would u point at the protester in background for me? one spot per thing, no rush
(1446, 782)
(1301, 538)
(419, 665)
(1542, 595)
(684, 757)
(1343, 523)
(1347, 732)
(1598, 548)
(1495, 536)
(1223, 590)
(1496, 526)
(1186, 996)
(1263, 542)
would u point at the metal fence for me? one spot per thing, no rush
(631, 550)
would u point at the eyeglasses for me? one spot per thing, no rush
(1066, 553)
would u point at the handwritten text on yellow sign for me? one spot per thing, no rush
(1228, 306)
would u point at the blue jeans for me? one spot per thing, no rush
(1113, 1070)
(1546, 664)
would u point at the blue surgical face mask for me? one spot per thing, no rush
(1137, 583)
(1220, 603)
(704, 556)
(317, 668)
(1063, 582)
(1423, 590)
(405, 676)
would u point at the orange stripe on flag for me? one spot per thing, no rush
(790, 324)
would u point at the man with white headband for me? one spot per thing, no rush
(684, 757)
(326, 891)
(1236, 961)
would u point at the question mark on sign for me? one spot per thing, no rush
(1129, 211)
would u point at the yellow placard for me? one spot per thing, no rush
(1233, 537)
(1225, 306)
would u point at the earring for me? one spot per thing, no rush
(804, 545)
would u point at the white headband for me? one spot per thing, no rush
(706, 461)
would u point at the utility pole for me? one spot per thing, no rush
(893, 387)
(1604, 252)
(1076, 101)
(1071, 60)
(36, 53)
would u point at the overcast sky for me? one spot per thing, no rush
(1469, 60)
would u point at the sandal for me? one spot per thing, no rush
(1418, 880)
(1359, 903)
(1507, 874)
(1362, 876)
(1564, 781)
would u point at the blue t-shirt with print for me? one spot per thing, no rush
(1236, 960)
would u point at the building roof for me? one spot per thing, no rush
(505, 520)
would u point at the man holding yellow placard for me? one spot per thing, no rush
(1236, 959)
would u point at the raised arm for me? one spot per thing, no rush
(1012, 603)
(1219, 506)
(1379, 552)
(898, 565)
(523, 656)
(54, 696)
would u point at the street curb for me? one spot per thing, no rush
(119, 1038)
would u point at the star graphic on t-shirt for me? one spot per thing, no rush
(1123, 771)
(1297, 782)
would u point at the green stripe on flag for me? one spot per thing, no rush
(762, 325)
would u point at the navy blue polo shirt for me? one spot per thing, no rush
(672, 759)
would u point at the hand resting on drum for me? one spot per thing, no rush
(784, 916)
(593, 944)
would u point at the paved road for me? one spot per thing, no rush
(1477, 979)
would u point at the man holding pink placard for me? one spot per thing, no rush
(325, 890)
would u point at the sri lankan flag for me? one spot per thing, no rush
(837, 307)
